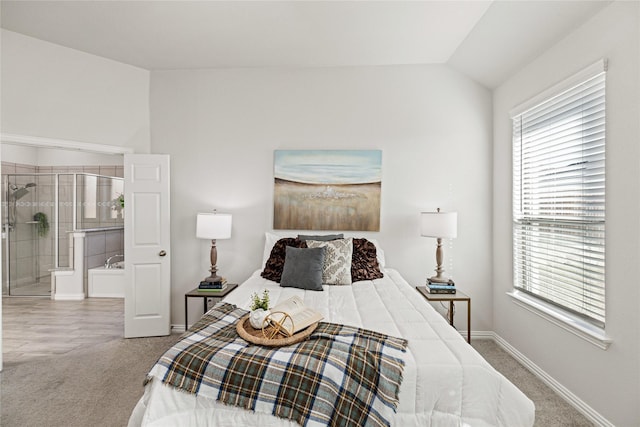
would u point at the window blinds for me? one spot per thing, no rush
(559, 199)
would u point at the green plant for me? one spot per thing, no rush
(260, 302)
(43, 223)
(118, 202)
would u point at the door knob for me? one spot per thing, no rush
(162, 253)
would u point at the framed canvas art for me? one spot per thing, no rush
(327, 190)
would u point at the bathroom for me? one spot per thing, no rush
(52, 200)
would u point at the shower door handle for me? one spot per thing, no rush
(162, 253)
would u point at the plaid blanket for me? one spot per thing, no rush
(340, 376)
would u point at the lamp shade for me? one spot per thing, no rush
(213, 226)
(439, 224)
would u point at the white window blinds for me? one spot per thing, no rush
(559, 197)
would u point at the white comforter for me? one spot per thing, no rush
(445, 381)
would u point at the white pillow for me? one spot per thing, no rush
(270, 240)
(336, 269)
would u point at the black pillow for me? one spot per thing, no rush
(324, 238)
(303, 268)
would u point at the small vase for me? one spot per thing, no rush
(256, 318)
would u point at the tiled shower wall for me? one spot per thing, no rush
(26, 245)
(24, 237)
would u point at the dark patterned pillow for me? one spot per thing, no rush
(364, 262)
(274, 265)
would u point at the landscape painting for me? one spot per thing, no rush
(327, 190)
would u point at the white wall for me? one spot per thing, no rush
(55, 92)
(61, 157)
(605, 380)
(2, 208)
(432, 124)
(19, 154)
(36, 156)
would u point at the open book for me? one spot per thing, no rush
(301, 315)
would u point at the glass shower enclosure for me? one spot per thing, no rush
(41, 211)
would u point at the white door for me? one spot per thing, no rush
(147, 304)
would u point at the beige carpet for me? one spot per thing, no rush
(95, 386)
(551, 409)
(99, 385)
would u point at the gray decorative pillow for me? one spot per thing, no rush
(323, 238)
(337, 260)
(303, 268)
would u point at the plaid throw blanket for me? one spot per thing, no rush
(340, 376)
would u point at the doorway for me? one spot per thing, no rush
(42, 211)
(20, 142)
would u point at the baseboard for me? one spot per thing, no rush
(107, 295)
(565, 393)
(480, 335)
(178, 328)
(69, 297)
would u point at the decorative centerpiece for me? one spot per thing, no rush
(277, 320)
(259, 309)
(275, 327)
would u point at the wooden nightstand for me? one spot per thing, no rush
(450, 298)
(213, 296)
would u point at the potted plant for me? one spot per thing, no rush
(117, 205)
(43, 223)
(259, 309)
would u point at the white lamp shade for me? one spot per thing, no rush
(439, 224)
(213, 226)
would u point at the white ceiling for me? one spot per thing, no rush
(487, 40)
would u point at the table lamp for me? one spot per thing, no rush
(213, 226)
(441, 225)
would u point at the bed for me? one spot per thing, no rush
(445, 382)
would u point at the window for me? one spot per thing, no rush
(90, 196)
(559, 195)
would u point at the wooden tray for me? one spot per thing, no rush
(255, 336)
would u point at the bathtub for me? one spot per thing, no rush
(106, 282)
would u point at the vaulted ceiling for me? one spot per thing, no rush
(487, 40)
